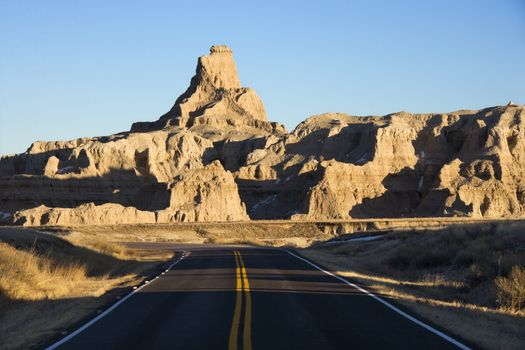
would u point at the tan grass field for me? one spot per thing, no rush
(468, 280)
(48, 283)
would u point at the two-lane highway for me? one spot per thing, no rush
(253, 298)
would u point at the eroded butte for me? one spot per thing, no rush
(215, 157)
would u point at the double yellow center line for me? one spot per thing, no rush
(242, 285)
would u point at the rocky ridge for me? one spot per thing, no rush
(215, 157)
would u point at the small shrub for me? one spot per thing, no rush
(511, 289)
(433, 258)
(480, 272)
(402, 257)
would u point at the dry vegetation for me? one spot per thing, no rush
(62, 279)
(467, 279)
(286, 233)
(511, 290)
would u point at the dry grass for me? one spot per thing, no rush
(469, 280)
(511, 290)
(46, 277)
(283, 234)
(28, 276)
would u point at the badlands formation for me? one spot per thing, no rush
(215, 157)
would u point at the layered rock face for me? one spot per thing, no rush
(163, 171)
(465, 163)
(214, 101)
(206, 194)
(85, 214)
(215, 157)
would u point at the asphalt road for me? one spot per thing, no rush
(251, 298)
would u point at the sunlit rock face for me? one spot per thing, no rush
(215, 98)
(215, 157)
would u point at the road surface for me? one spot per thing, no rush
(251, 298)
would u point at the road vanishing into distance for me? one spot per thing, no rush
(220, 297)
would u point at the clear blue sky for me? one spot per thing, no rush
(85, 68)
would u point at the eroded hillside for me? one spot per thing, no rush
(215, 157)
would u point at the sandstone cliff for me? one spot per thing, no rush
(215, 103)
(203, 194)
(214, 157)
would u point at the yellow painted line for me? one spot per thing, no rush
(247, 334)
(239, 271)
(234, 331)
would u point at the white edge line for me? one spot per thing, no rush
(386, 303)
(107, 311)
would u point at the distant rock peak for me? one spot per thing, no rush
(215, 97)
(220, 49)
(218, 69)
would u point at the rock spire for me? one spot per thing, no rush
(214, 95)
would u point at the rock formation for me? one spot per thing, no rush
(85, 214)
(215, 157)
(214, 101)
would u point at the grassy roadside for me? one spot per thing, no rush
(48, 283)
(284, 234)
(467, 280)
